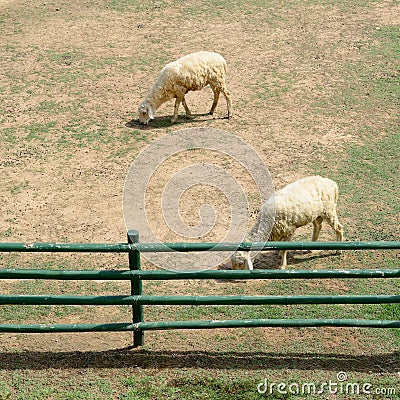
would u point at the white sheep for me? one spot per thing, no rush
(309, 200)
(191, 72)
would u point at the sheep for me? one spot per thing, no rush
(191, 72)
(309, 200)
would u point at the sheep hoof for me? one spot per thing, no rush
(173, 120)
(189, 116)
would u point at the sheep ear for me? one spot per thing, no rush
(150, 111)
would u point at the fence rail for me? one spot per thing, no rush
(152, 275)
(140, 327)
(138, 300)
(51, 300)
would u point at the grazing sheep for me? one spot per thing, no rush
(308, 200)
(191, 72)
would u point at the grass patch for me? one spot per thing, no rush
(36, 131)
(22, 387)
(377, 161)
(189, 387)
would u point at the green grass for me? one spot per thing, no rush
(189, 387)
(6, 233)
(54, 107)
(368, 173)
(183, 385)
(24, 388)
(376, 160)
(160, 386)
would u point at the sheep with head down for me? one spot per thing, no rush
(191, 72)
(309, 200)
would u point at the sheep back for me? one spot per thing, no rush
(296, 205)
(189, 73)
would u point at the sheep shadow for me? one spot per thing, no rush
(165, 121)
(271, 259)
(210, 360)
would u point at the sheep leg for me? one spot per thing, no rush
(176, 107)
(317, 225)
(215, 102)
(188, 113)
(283, 254)
(249, 262)
(227, 95)
(338, 228)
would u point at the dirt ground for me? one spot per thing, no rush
(74, 193)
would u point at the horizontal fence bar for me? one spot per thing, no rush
(8, 273)
(189, 247)
(257, 246)
(194, 300)
(65, 247)
(212, 324)
(265, 323)
(44, 328)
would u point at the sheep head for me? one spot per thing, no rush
(145, 113)
(241, 260)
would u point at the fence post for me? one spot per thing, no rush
(136, 287)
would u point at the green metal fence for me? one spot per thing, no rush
(138, 300)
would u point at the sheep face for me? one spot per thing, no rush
(145, 113)
(241, 260)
